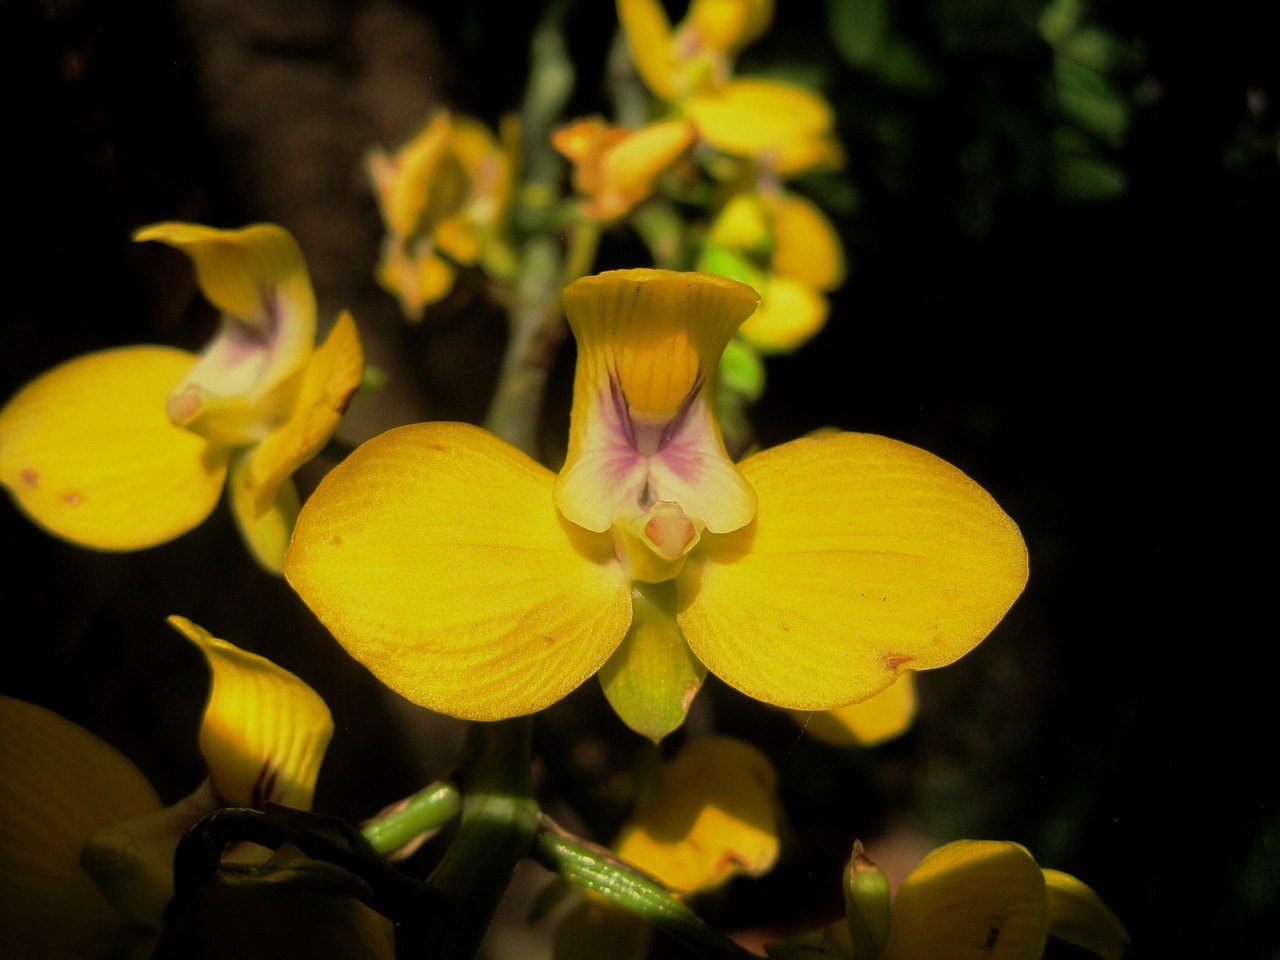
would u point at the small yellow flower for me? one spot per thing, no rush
(129, 448)
(475, 582)
(785, 127)
(784, 246)
(444, 198)
(616, 169)
(85, 846)
(710, 815)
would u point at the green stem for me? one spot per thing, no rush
(536, 323)
(498, 827)
(427, 810)
(597, 869)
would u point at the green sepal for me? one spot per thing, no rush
(652, 678)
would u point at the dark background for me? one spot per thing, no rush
(1098, 367)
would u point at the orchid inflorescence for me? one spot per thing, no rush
(816, 576)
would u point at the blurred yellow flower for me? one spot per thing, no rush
(616, 169)
(444, 198)
(129, 448)
(710, 815)
(86, 850)
(785, 247)
(476, 582)
(785, 127)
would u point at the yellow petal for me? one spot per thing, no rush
(1078, 915)
(806, 244)
(266, 533)
(264, 731)
(867, 557)
(89, 453)
(729, 25)
(886, 715)
(330, 381)
(58, 785)
(643, 426)
(631, 167)
(423, 183)
(648, 33)
(435, 555)
(257, 277)
(417, 278)
(652, 678)
(712, 814)
(790, 314)
(970, 900)
(761, 119)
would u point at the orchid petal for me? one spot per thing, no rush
(1078, 915)
(643, 427)
(729, 25)
(264, 731)
(422, 184)
(435, 555)
(245, 377)
(867, 557)
(332, 377)
(417, 278)
(266, 531)
(790, 314)
(970, 900)
(649, 36)
(712, 814)
(806, 245)
(59, 784)
(882, 717)
(89, 453)
(777, 123)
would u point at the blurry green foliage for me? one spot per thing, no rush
(1039, 93)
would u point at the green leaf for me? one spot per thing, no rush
(901, 65)
(1059, 20)
(859, 29)
(1084, 179)
(1097, 48)
(1088, 98)
(742, 370)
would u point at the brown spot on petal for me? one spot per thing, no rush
(72, 499)
(30, 477)
(893, 661)
(335, 541)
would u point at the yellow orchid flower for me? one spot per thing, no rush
(477, 583)
(785, 127)
(444, 197)
(697, 54)
(978, 899)
(784, 246)
(615, 169)
(86, 849)
(129, 448)
(710, 815)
